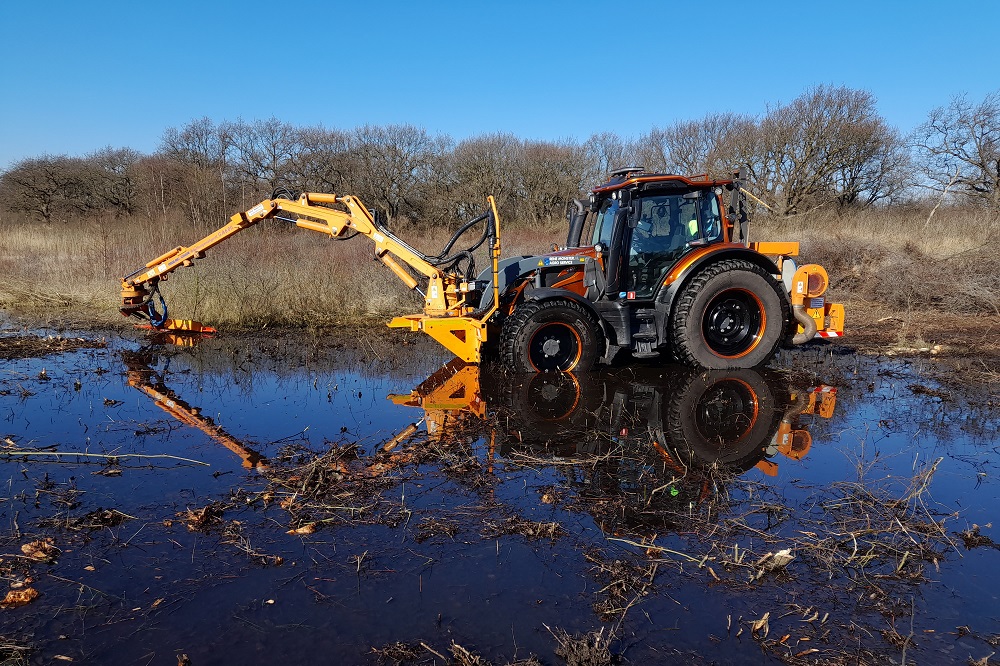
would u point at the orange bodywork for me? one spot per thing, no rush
(140, 377)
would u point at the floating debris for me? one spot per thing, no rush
(42, 550)
(202, 519)
(973, 539)
(20, 597)
(33, 346)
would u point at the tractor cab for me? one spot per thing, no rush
(642, 224)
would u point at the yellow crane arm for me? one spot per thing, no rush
(447, 316)
(335, 222)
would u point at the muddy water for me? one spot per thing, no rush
(251, 500)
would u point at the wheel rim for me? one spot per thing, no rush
(733, 323)
(555, 346)
(726, 412)
(553, 396)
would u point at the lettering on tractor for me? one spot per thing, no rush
(654, 266)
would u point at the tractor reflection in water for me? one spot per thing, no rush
(645, 448)
(650, 445)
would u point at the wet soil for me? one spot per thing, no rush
(265, 498)
(961, 347)
(34, 346)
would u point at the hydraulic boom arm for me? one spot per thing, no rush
(446, 298)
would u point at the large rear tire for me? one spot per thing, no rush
(557, 335)
(731, 315)
(725, 417)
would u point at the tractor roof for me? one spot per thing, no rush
(631, 176)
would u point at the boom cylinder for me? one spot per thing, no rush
(400, 272)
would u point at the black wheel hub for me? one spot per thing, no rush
(726, 413)
(732, 323)
(554, 347)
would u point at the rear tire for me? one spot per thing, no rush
(556, 335)
(731, 315)
(725, 418)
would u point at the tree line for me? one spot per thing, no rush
(829, 148)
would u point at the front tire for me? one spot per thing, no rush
(731, 315)
(556, 335)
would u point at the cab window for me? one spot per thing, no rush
(604, 223)
(666, 224)
(710, 217)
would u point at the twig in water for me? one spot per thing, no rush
(103, 456)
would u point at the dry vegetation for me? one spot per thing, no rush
(266, 276)
(902, 260)
(909, 281)
(889, 265)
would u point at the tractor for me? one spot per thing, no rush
(655, 266)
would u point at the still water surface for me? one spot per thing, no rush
(256, 500)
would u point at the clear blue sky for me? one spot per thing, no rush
(78, 76)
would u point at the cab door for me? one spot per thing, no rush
(667, 226)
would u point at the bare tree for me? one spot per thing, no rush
(551, 174)
(875, 168)
(394, 163)
(47, 187)
(114, 179)
(802, 149)
(959, 147)
(485, 165)
(200, 143)
(194, 173)
(606, 152)
(325, 162)
(265, 155)
(713, 145)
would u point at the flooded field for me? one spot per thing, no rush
(295, 500)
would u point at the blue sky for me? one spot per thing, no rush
(79, 76)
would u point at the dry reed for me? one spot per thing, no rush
(275, 276)
(265, 276)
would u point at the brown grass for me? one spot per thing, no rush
(265, 276)
(889, 263)
(898, 260)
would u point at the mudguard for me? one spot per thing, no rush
(509, 270)
(668, 294)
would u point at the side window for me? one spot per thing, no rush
(710, 216)
(688, 218)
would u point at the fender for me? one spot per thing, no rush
(692, 263)
(511, 270)
(549, 293)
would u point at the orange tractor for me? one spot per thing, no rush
(654, 266)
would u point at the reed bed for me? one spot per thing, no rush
(265, 276)
(900, 260)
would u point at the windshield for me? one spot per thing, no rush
(604, 223)
(666, 224)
